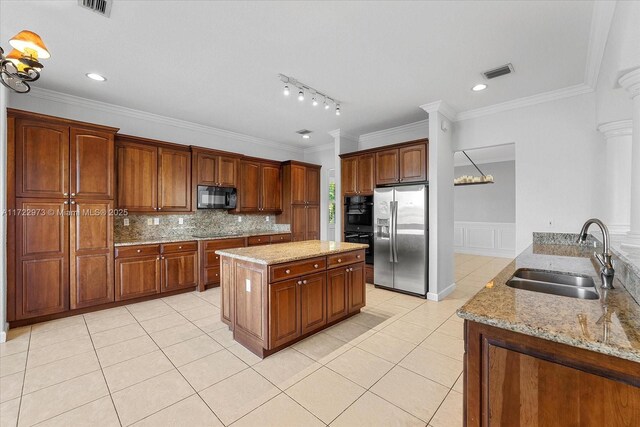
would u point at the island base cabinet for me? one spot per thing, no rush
(337, 295)
(313, 302)
(512, 379)
(284, 300)
(357, 287)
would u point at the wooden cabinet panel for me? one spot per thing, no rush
(345, 258)
(313, 186)
(179, 270)
(174, 180)
(207, 170)
(226, 292)
(137, 277)
(298, 184)
(227, 171)
(271, 191)
(337, 296)
(387, 167)
(296, 268)
(42, 159)
(365, 174)
(349, 174)
(280, 238)
(210, 261)
(413, 165)
(179, 247)
(92, 164)
(313, 301)
(313, 223)
(258, 240)
(357, 287)
(298, 223)
(248, 312)
(137, 177)
(284, 316)
(249, 191)
(91, 258)
(42, 258)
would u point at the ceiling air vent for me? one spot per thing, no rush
(303, 131)
(497, 72)
(103, 7)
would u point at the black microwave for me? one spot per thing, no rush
(216, 197)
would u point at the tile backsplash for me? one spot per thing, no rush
(203, 221)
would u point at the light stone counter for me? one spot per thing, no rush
(155, 241)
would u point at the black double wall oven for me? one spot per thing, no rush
(358, 222)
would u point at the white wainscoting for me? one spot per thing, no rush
(485, 238)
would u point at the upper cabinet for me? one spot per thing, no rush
(358, 174)
(301, 200)
(400, 165)
(153, 176)
(260, 188)
(215, 168)
(55, 159)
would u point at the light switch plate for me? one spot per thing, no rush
(180, 221)
(126, 222)
(247, 283)
(149, 221)
(156, 221)
(267, 218)
(239, 219)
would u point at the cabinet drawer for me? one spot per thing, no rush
(345, 258)
(179, 247)
(258, 240)
(280, 238)
(297, 268)
(128, 251)
(211, 259)
(213, 245)
(211, 275)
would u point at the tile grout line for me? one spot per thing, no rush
(24, 377)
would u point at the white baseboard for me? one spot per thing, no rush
(439, 296)
(485, 238)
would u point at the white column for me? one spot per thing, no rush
(617, 203)
(441, 277)
(631, 82)
(344, 143)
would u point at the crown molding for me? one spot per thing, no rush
(394, 131)
(318, 148)
(78, 101)
(598, 34)
(441, 107)
(618, 128)
(337, 133)
(527, 101)
(631, 82)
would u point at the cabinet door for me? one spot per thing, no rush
(92, 164)
(137, 277)
(337, 294)
(366, 177)
(207, 169)
(137, 177)
(413, 163)
(226, 302)
(174, 180)
(313, 186)
(271, 191)
(313, 301)
(298, 223)
(91, 263)
(387, 167)
(284, 316)
(313, 223)
(227, 171)
(179, 270)
(357, 287)
(42, 257)
(42, 159)
(349, 175)
(298, 184)
(249, 191)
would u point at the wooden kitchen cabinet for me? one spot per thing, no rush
(387, 165)
(301, 200)
(138, 271)
(402, 165)
(153, 176)
(179, 270)
(337, 294)
(260, 187)
(284, 312)
(516, 379)
(305, 223)
(210, 261)
(215, 169)
(358, 175)
(313, 302)
(92, 164)
(357, 287)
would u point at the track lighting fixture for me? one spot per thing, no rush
(327, 101)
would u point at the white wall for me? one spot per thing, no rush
(147, 125)
(410, 132)
(3, 220)
(324, 155)
(489, 202)
(559, 156)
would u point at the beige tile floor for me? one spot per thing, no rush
(172, 362)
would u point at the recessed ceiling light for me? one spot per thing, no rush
(479, 87)
(96, 77)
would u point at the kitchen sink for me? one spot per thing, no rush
(555, 283)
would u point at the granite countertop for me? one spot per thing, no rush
(285, 252)
(152, 241)
(565, 320)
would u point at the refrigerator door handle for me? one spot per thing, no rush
(395, 232)
(391, 235)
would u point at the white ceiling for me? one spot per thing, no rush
(216, 63)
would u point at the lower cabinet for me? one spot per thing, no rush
(284, 310)
(357, 288)
(210, 261)
(179, 270)
(337, 295)
(313, 302)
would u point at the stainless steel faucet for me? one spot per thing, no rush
(607, 271)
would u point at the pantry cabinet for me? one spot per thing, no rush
(301, 200)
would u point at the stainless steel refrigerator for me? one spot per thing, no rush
(401, 238)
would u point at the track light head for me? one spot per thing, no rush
(337, 109)
(286, 90)
(301, 95)
(314, 101)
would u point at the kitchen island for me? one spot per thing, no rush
(539, 359)
(276, 295)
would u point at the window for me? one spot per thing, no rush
(332, 203)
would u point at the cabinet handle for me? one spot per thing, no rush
(304, 282)
(159, 208)
(66, 202)
(358, 256)
(73, 202)
(139, 250)
(315, 265)
(287, 271)
(217, 257)
(180, 247)
(65, 194)
(346, 269)
(162, 257)
(339, 259)
(299, 282)
(73, 194)
(351, 269)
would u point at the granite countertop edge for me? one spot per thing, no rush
(289, 258)
(156, 241)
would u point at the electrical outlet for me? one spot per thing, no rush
(267, 218)
(126, 222)
(180, 221)
(239, 219)
(149, 221)
(156, 221)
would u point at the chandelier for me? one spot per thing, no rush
(21, 66)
